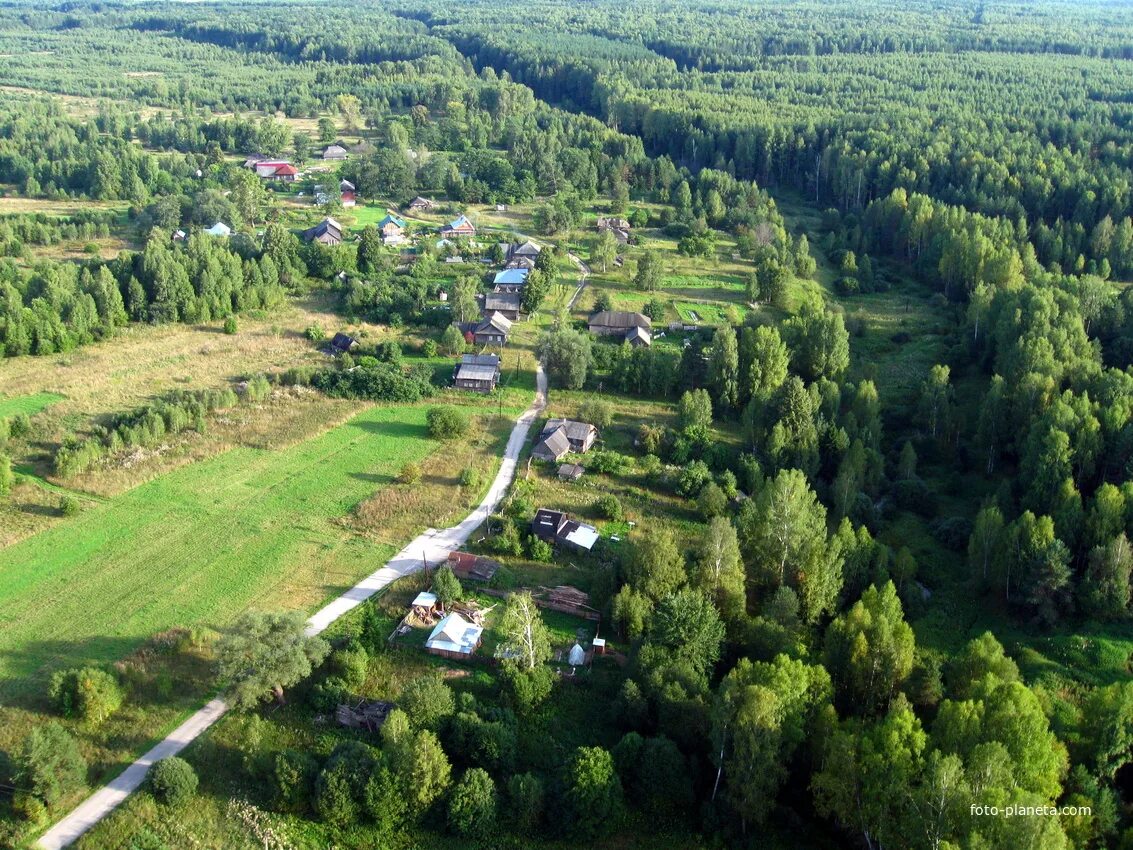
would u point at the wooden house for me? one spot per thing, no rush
(478, 372)
(618, 323)
(547, 524)
(335, 152)
(459, 227)
(507, 304)
(342, 343)
(494, 330)
(454, 637)
(558, 528)
(468, 567)
(326, 232)
(420, 204)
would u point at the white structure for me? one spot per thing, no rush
(456, 635)
(577, 656)
(584, 537)
(424, 600)
(219, 229)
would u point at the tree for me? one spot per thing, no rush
(597, 411)
(472, 806)
(350, 108)
(937, 401)
(302, 144)
(654, 566)
(763, 362)
(718, 571)
(522, 633)
(985, 545)
(525, 795)
(604, 250)
(724, 367)
(1105, 588)
(263, 653)
(427, 701)
(565, 354)
(784, 541)
(1107, 728)
(763, 713)
(327, 131)
(6, 476)
(90, 694)
(593, 791)
(417, 761)
(648, 275)
(820, 342)
(49, 765)
(446, 586)
(446, 423)
(687, 625)
(452, 340)
(463, 300)
(869, 650)
(172, 781)
(980, 658)
(694, 411)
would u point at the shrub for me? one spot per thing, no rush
(525, 793)
(7, 478)
(608, 506)
(429, 349)
(49, 765)
(472, 806)
(693, 478)
(68, 505)
(172, 781)
(428, 701)
(469, 477)
(539, 550)
(608, 462)
(230, 326)
(351, 663)
(88, 693)
(293, 778)
(711, 502)
(410, 473)
(446, 586)
(597, 411)
(315, 333)
(446, 423)
(19, 425)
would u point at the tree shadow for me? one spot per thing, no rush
(391, 429)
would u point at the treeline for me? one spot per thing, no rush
(20, 230)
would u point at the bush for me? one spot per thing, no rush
(446, 423)
(410, 473)
(293, 778)
(172, 781)
(470, 477)
(315, 334)
(446, 586)
(427, 700)
(952, 532)
(472, 806)
(89, 694)
(539, 550)
(7, 478)
(68, 505)
(597, 411)
(430, 348)
(607, 462)
(351, 664)
(19, 425)
(49, 765)
(525, 793)
(230, 326)
(609, 507)
(711, 502)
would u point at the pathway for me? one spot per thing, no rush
(583, 278)
(433, 546)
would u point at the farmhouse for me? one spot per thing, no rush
(479, 372)
(459, 227)
(510, 280)
(467, 566)
(454, 637)
(493, 330)
(552, 446)
(618, 323)
(507, 304)
(277, 170)
(326, 232)
(420, 204)
(581, 435)
(392, 229)
(334, 152)
(556, 527)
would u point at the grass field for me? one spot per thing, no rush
(199, 545)
(29, 405)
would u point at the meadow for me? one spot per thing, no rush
(28, 405)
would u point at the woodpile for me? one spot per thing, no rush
(367, 714)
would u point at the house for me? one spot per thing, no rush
(581, 435)
(510, 280)
(611, 223)
(618, 323)
(254, 159)
(348, 199)
(420, 204)
(570, 472)
(469, 567)
(346, 186)
(553, 446)
(493, 330)
(277, 169)
(547, 524)
(520, 263)
(508, 304)
(180, 235)
(219, 229)
(327, 232)
(479, 372)
(639, 337)
(334, 152)
(392, 229)
(556, 527)
(527, 249)
(459, 227)
(342, 343)
(454, 637)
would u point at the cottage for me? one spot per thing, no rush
(326, 232)
(466, 566)
(348, 199)
(454, 637)
(392, 229)
(510, 280)
(180, 235)
(547, 524)
(618, 323)
(478, 372)
(342, 343)
(553, 446)
(581, 435)
(219, 229)
(493, 330)
(459, 227)
(420, 204)
(277, 169)
(507, 304)
(334, 152)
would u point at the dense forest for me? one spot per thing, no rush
(790, 669)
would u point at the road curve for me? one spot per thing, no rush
(432, 546)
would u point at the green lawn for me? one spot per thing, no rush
(29, 404)
(199, 545)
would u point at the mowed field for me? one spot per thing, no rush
(246, 528)
(29, 405)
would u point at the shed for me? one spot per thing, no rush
(424, 605)
(570, 472)
(639, 337)
(341, 343)
(454, 637)
(579, 535)
(465, 565)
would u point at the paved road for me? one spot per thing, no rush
(432, 546)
